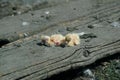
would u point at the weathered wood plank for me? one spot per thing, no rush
(24, 59)
(31, 61)
(12, 29)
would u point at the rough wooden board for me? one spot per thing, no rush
(11, 27)
(31, 61)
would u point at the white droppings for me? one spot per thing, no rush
(25, 34)
(81, 33)
(25, 23)
(47, 12)
(115, 24)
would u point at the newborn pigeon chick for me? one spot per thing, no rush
(53, 40)
(72, 39)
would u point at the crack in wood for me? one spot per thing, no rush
(72, 55)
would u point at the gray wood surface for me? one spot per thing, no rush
(25, 59)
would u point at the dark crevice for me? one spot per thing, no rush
(3, 42)
(22, 77)
(77, 74)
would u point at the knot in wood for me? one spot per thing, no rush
(86, 53)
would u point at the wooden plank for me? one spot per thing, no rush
(11, 28)
(24, 59)
(31, 61)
